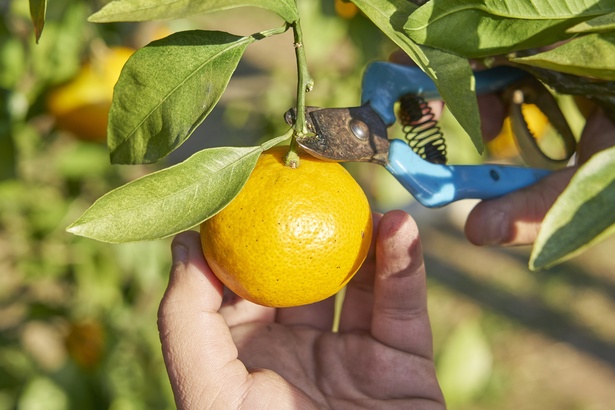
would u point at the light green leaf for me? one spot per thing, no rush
(598, 24)
(166, 89)
(145, 10)
(171, 200)
(38, 10)
(480, 28)
(592, 55)
(451, 73)
(465, 364)
(583, 214)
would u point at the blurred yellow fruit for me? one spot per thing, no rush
(85, 343)
(504, 146)
(292, 236)
(345, 9)
(82, 105)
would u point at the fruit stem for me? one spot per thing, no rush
(291, 159)
(305, 83)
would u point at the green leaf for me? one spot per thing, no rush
(480, 28)
(145, 10)
(592, 55)
(38, 9)
(582, 215)
(595, 25)
(451, 73)
(171, 200)
(166, 89)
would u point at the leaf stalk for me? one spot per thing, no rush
(305, 83)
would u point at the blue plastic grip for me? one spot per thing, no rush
(435, 185)
(384, 83)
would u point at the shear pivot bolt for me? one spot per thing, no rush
(359, 129)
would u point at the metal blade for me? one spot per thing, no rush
(344, 134)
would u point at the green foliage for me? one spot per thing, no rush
(605, 22)
(592, 55)
(582, 215)
(499, 27)
(171, 200)
(38, 9)
(145, 10)
(166, 90)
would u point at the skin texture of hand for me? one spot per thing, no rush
(515, 219)
(223, 352)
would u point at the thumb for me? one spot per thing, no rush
(196, 342)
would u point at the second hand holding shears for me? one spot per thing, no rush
(360, 134)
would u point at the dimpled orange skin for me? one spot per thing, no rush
(292, 236)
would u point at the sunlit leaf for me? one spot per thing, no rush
(582, 215)
(592, 55)
(145, 10)
(171, 200)
(38, 9)
(478, 28)
(598, 24)
(451, 73)
(166, 90)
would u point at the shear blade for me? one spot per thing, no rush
(344, 134)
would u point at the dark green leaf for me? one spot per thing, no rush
(171, 200)
(451, 73)
(479, 28)
(582, 215)
(145, 10)
(592, 55)
(166, 90)
(598, 24)
(38, 9)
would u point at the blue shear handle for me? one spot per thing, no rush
(435, 185)
(384, 83)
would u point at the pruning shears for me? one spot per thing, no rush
(360, 133)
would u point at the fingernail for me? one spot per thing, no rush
(179, 252)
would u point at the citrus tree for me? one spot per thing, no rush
(167, 88)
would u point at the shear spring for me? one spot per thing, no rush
(421, 130)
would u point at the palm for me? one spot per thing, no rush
(349, 370)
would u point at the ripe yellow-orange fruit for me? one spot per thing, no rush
(82, 105)
(345, 9)
(292, 236)
(504, 145)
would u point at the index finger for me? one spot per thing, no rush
(399, 317)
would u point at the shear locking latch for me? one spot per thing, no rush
(531, 91)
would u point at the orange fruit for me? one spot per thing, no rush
(345, 9)
(292, 236)
(82, 105)
(85, 343)
(504, 145)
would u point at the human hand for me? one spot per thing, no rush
(225, 352)
(515, 219)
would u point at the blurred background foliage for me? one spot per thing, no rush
(78, 317)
